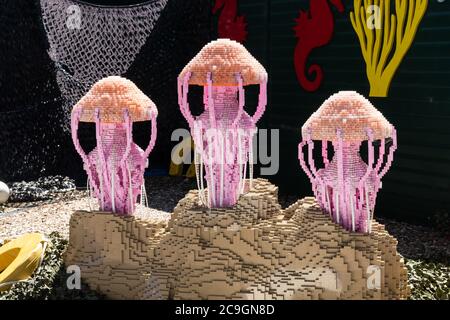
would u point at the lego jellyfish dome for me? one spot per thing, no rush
(223, 133)
(347, 186)
(115, 167)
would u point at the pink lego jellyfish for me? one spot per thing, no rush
(223, 133)
(116, 166)
(346, 187)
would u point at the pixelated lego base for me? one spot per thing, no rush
(254, 250)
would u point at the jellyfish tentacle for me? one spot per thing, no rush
(317, 178)
(340, 171)
(199, 177)
(123, 160)
(337, 205)
(76, 115)
(390, 157)
(221, 142)
(244, 177)
(326, 161)
(205, 98)
(143, 196)
(301, 158)
(180, 93)
(151, 145)
(370, 218)
(88, 187)
(311, 163)
(153, 136)
(183, 88)
(325, 152)
(202, 186)
(262, 101)
(212, 115)
(180, 84)
(100, 153)
(381, 152)
(113, 190)
(362, 186)
(240, 164)
(328, 201)
(311, 171)
(130, 188)
(198, 160)
(211, 189)
(250, 162)
(352, 208)
(101, 183)
(187, 111)
(241, 104)
(75, 120)
(370, 157)
(241, 100)
(213, 143)
(368, 211)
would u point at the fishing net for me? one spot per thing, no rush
(50, 59)
(30, 102)
(181, 31)
(147, 43)
(89, 42)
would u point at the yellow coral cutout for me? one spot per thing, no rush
(377, 43)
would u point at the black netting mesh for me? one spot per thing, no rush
(33, 141)
(30, 103)
(88, 42)
(183, 28)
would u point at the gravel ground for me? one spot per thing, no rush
(45, 188)
(165, 192)
(41, 217)
(55, 217)
(53, 213)
(419, 242)
(426, 251)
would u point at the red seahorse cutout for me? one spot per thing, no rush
(314, 29)
(230, 25)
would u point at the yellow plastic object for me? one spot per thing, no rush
(177, 169)
(190, 173)
(20, 257)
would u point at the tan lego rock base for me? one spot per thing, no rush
(252, 251)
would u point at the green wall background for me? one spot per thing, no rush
(418, 183)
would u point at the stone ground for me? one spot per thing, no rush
(421, 246)
(52, 215)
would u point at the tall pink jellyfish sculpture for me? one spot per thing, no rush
(115, 167)
(346, 187)
(223, 133)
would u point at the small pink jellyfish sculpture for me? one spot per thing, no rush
(115, 167)
(346, 187)
(223, 133)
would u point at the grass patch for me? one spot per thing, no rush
(428, 280)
